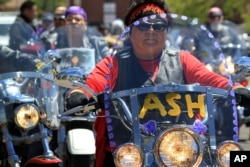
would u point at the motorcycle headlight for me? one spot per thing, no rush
(26, 116)
(230, 66)
(128, 155)
(178, 146)
(223, 152)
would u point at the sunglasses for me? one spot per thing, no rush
(59, 17)
(214, 16)
(158, 27)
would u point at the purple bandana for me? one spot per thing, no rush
(76, 10)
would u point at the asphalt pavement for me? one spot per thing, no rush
(244, 137)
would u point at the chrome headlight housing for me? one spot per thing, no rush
(178, 146)
(128, 155)
(26, 116)
(223, 152)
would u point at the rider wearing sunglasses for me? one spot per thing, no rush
(214, 17)
(59, 17)
(222, 32)
(157, 26)
(77, 33)
(58, 21)
(144, 61)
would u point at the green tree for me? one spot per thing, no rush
(48, 5)
(3, 1)
(237, 11)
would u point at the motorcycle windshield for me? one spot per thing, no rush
(230, 39)
(24, 38)
(32, 88)
(79, 46)
(83, 58)
(155, 108)
(188, 34)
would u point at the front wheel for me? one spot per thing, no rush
(81, 160)
(5, 163)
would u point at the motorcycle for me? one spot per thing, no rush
(235, 49)
(76, 127)
(232, 45)
(141, 136)
(219, 56)
(167, 124)
(241, 34)
(242, 75)
(34, 47)
(29, 110)
(24, 38)
(75, 136)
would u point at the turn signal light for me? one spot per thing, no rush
(244, 82)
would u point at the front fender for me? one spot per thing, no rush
(42, 160)
(81, 142)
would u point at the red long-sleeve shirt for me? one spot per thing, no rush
(194, 71)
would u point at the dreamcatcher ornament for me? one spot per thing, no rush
(198, 126)
(149, 127)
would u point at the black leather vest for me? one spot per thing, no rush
(131, 74)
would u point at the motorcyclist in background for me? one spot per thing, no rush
(59, 16)
(116, 28)
(23, 30)
(227, 36)
(12, 60)
(50, 39)
(224, 34)
(149, 60)
(46, 26)
(76, 28)
(76, 35)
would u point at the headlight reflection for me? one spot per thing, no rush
(128, 155)
(223, 152)
(26, 116)
(178, 146)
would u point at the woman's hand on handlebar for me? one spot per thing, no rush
(242, 96)
(76, 97)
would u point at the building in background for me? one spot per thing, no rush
(11, 5)
(99, 11)
(103, 11)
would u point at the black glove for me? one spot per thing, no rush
(76, 99)
(242, 96)
(243, 99)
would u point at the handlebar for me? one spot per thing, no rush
(242, 68)
(82, 109)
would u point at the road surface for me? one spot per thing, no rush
(244, 137)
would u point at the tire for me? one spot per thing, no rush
(80, 160)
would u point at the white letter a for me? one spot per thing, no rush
(237, 158)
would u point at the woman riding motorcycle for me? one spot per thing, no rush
(146, 62)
